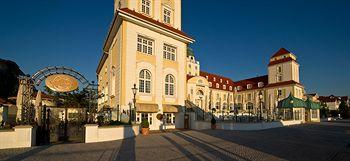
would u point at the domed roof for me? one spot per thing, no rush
(312, 105)
(190, 52)
(292, 102)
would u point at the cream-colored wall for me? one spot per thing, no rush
(134, 62)
(19, 137)
(290, 71)
(106, 80)
(254, 99)
(193, 66)
(221, 100)
(193, 86)
(157, 9)
(272, 96)
(93, 133)
(159, 70)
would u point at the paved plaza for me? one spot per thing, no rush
(323, 141)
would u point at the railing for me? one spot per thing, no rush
(200, 113)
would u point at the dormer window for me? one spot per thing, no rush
(214, 79)
(224, 86)
(226, 81)
(210, 84)
(217, 85)
(230, 88)
(220, 80)
(207, 77)
(239, 88)
(261, 84)
(146, 7)
(249, 86)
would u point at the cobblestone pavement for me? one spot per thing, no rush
(303, 142)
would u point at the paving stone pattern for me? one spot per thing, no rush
(321, 142)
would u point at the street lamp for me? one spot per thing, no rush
(260, 99)
(134, 91)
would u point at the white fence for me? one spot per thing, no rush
(93, 133)
(18, 137)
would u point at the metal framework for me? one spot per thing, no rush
(27, 84)
(27, 113)
(41, 75)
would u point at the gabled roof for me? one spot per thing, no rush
(225, 81)
(141, 16)
(280, 52)
(291, 102)
(253, 81)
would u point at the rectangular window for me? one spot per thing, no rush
(169, 52)
(166, 15)
(279, 78)
(148, 87)
(144, 45)
(146, 6)
(314, 113)
(150, 120)
(239, 98)
(249, 97)
(279, 92)
(168, 118)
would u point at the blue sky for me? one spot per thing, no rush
(234, 40)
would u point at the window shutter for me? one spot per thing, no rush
(284, 92)
(276, 93)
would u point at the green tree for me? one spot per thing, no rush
(344, 110)
(324, 110)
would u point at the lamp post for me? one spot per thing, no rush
(260, 99)
(134, 91)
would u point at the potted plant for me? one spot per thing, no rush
(145, 127)
(213, 123)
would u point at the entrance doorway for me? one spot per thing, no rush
(186, 121)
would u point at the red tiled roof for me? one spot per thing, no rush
(253, 81)
(280, 52)
(189, 77)
(283, 83)
(288, 59)
(141, 16)
(225, 81)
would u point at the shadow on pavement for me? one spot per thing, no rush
(127, 148)
(225, 155)
(29, 153)
(320, 142)
(187, 153)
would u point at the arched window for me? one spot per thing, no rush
(145, 81)
(169, 85)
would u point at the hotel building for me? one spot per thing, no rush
(145, 46)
